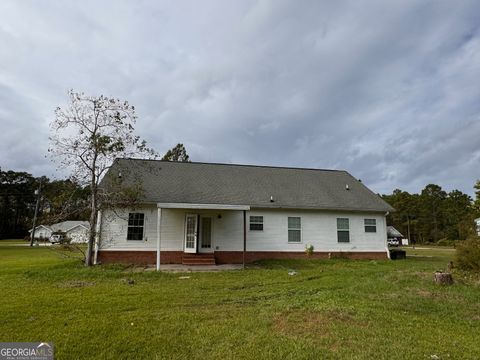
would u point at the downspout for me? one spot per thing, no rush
(159, 237)
(97, 237)
(386, 238)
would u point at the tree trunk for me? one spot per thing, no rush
(91, 238)
(93, 194)
(93, 225)
(443, 278)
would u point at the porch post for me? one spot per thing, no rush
(97, 237)
(244, 235)
(159, 221)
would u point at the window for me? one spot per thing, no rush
(256, 222)
(294, 230)
(135, 226)
(343, 230)
(370, 225)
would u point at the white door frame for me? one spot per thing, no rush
(188, 248)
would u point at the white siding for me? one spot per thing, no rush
(78, 235)
(114, 229)
(318, 228)
(42, 233)
(228, 231)
(172, 229)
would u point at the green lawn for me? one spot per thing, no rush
(330, 309)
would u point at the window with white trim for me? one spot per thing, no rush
(136, 223)
(294, 230)
(256, 223)
(370, 225)
(343, 230)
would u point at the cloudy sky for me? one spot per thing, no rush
(388, 90)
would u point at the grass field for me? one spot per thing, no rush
(330, 309)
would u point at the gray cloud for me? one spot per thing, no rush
(388, 91)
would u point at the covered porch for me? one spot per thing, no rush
(211, 231)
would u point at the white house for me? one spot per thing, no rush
(76, 231)
(477, 223)
(196, 213)
(42, 232)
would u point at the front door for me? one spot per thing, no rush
(206, 234)
(191, 233)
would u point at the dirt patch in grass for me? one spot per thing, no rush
(438, 295)
(317, 324)
(424, 293)
(302, 323)
(75, 284)
(324, 328)
(139, 268)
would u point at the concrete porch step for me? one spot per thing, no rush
(198, 259)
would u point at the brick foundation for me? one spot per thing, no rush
(228, 257)
(236, 257)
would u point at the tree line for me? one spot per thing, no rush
(434, 214)
(59, 200)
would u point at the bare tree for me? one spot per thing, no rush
(87, 136)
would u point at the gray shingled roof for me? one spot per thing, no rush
(69, 224)
(226, 184)
(393, 233)
(64, 226)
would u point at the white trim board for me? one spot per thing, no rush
(131, 249)
(202, 206)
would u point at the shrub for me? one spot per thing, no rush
(468, 254)
(309, 250)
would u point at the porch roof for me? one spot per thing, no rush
(202, 206)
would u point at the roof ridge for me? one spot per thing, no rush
(242, 165)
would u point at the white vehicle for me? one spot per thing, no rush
(393, 242)
(57, 238)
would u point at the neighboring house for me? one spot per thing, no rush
(76, 231)
(477, 223)
(222, 213)
(42, 232)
